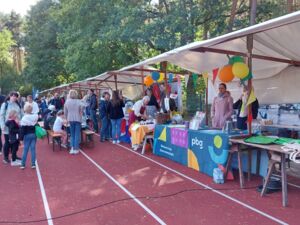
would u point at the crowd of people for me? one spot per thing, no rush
(67, 115)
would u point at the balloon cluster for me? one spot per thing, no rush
(235, 68)
(156, 76)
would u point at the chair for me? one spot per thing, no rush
(88, 137)
(149, 137)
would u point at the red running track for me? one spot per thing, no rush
(75, 183)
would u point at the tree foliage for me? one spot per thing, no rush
(68, 40)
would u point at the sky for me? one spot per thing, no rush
(20, 6)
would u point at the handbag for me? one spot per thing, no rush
(40, 132)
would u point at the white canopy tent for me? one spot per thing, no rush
(275, 50)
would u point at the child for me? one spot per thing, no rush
(13, 127)
(27, 134)
(58, 127)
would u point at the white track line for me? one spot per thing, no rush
(43, 192)
(208, 187)
(159, 220)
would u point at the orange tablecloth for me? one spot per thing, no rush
(138, 132)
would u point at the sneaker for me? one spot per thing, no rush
(19, 160)
(64, 146)
(118, 141)
(22, 167)
(71, 151)
(75, 152)
(114, 142)
(135, 147)
(15, 163)
(6, 161)
(33, 167)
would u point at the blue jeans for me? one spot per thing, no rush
(105, 127)
(116, 128)
(94, 119)
(29, 143)
(75, 131)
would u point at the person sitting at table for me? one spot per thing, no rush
(60, 121)
(241, 106)
(222, 107)
(138, 110)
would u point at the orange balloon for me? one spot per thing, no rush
(225, 74)
(148, 81)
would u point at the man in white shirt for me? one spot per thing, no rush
(35, 107)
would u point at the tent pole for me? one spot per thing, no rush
(164, 69)
(142, 74)
(116, 85)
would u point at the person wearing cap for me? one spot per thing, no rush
(6, 107)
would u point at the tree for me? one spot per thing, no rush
(45, 64)
(8, 75)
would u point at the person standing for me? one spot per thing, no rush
(14, 130)
(27, 134)
(116, 114)
(35, 107)
(242, 107)
(73, 113)
(222, 107)
(6, 107)
(93, 109)
(56, 102)
(104, 116)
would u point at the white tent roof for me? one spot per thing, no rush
(275, 39)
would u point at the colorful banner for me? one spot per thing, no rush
(210, 148)
(202, 150)
(163, 146)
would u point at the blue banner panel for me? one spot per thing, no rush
(163, 146)
(210, 148)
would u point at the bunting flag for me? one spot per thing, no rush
(205, 77)
(251, 97)
(195, 79)
(215, 74)
(171, 75)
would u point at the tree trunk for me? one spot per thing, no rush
(232, 15)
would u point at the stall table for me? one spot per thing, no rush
(273, 148)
